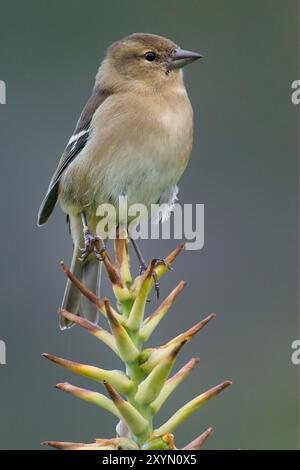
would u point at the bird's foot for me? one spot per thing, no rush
(92, 244)
(143, 268)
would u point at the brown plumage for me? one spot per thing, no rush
(133, 138)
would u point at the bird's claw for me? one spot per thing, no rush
(156, 284)
(165, 263)
(143, 268)
(92, 245)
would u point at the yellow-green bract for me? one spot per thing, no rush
(136, 394)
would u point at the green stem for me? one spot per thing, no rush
(137, 375)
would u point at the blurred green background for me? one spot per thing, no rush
(244, 168)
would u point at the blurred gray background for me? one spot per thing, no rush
(244, 168)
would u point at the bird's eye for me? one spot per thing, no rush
(150, 56)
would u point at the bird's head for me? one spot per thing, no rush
(143, 60)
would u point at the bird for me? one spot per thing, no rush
(133, 139)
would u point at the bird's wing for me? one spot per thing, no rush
(73, 149)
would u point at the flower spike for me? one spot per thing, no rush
(137, 392)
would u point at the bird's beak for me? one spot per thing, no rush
(180, 58)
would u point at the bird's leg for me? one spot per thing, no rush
(92, 243)
(143, 265)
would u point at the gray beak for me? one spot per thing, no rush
(180, 58)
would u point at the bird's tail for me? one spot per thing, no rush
(89, 273)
